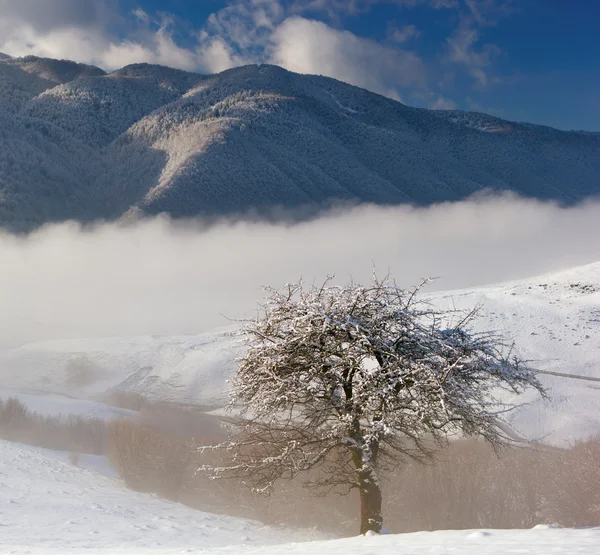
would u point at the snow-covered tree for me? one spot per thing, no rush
(350, 380)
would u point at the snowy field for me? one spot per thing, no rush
(554, 321)
(187, 369)
(48, 506)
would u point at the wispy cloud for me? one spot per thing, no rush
(405, 33)
(463, 49)
(443, 103)
(245, 31)
(308, 46)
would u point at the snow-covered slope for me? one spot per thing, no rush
(77, 143)
(50, 506)
(60, 405)
(186, 369)
(553, 319)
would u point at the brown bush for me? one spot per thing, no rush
(576, 485)
(80, 372)
(469, 486)
(70, 433)
(149, 460)
(129, 400)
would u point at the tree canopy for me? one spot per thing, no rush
(350, 379)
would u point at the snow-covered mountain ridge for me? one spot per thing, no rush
(77, 143)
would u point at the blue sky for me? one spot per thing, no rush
(526, 60)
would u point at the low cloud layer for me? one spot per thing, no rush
(162, 277)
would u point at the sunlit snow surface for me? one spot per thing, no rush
(48, 506)
(554, 321)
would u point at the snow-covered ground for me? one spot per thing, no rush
(59, 405)
(187, 369)
(553, 319)
(48, 506)
(539, 541)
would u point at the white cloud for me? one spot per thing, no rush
(443, 103)
(309, 46)
(157, 277)
(92, 46)
(247, 31)
(217, 55)
(405, 33)
(333, 8)
(489, 12)
(462, 49)
(47, 15)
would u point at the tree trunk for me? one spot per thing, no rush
(370, 502)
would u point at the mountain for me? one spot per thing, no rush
(78, 143)
(554, 320)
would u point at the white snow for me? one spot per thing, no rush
(49, 506)
(187, 369)
(554, 321)
(79, 144)
(544, 541)
(57, 405)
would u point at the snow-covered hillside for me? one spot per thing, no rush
(50, 506)
(553, 319)
(76, 143)
(186, 369)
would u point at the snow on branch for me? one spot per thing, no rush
(347, 378)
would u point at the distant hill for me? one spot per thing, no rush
(78, 143)
(554, 320)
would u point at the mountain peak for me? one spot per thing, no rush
(149, 70)
(58, 71)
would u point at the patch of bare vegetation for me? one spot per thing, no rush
(469, 486)
(80, 371)
(64, 433)
(129, 400)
